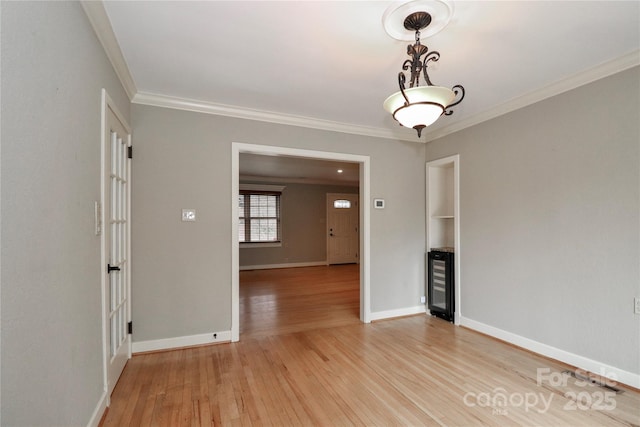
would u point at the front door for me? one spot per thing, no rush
(116, 234)
(342, 228)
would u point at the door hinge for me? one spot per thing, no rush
(130, 328)
(130, 151)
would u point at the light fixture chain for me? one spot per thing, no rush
(416, 51)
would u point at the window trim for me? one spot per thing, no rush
(248, 245)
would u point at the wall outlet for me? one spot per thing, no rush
(636, 305)
(423, 299)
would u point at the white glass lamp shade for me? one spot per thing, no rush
(426, 104)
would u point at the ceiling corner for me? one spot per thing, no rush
(165, 101)
(97, 15)
(600, 71)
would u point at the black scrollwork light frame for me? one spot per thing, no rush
(416, 65)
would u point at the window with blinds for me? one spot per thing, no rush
(259, 217)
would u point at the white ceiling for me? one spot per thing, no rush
(259, 168)
(330, 64)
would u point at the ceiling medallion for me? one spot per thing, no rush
(420, 106)
(441, 12)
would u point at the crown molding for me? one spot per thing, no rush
(98, 18)
(580, 79)
(157, 100)
(261, 187)
(601, 71)
(102, 27)
(307, 181)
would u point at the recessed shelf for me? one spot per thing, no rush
(443, 222)
(441, 204)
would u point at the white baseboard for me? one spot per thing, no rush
(177, 342)
(99, 411)
(618, 375)
(407, 311)
(286, 265)
(161, 344)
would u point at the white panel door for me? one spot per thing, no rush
(342, 228)
(116, 230)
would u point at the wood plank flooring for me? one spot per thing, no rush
(319, 371)
(274, 302)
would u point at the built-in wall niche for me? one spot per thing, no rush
(442, 203)
(443, 221)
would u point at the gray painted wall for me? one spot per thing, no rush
(550, 220)
(53, 69)
(182, 271)
(304, 227)
(549, 211)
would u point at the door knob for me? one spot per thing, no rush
(111, 268)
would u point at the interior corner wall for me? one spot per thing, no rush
(304, 228)
(549, 201)
(182, 271)
(53, 71)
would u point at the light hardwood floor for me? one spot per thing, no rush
(273, 302)
(305, 359)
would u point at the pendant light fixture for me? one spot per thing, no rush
(420, 106)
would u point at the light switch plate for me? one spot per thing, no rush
(97, 217)
(188, 214)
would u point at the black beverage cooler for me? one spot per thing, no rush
(440, 283)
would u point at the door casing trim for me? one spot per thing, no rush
(365, 216)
